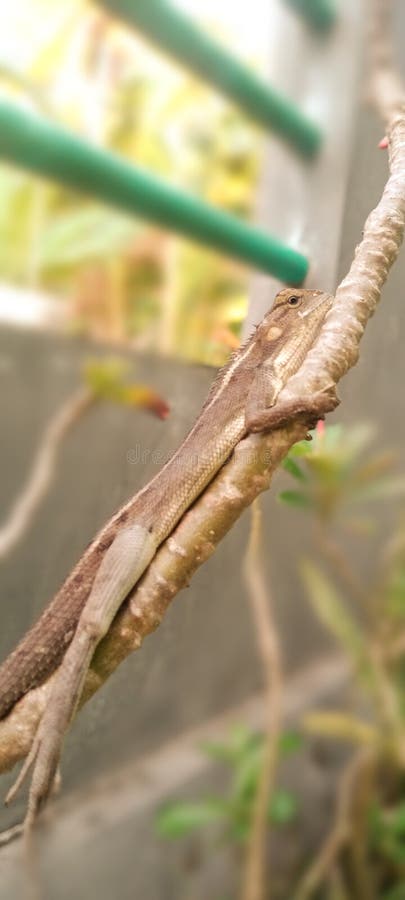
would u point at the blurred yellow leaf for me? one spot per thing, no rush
(341, 726)
(332, 612)
(106, 380)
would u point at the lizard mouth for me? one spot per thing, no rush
(324, 299)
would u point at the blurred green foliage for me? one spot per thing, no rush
(342, 484)
(336, 473)
(108, 380)
(120, 278)
(242, 754)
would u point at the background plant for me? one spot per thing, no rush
(118, 278)
(344, 487)
(241, 756)
(352, 495)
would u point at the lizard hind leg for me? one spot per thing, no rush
(121, 567)
(44, 755)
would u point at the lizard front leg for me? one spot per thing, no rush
(263, 413)
(122, 565)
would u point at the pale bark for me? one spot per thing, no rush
(255, 459)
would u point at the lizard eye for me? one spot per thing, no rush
(294, 300)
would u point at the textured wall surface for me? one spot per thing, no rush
(194, 666)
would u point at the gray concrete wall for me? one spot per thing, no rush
(202, 658)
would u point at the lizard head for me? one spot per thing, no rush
(299, 308)
(297, 315)
(302, 302)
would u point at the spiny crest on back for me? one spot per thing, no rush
(217, 382)
(285, 303)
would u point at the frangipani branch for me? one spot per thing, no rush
(255, 459)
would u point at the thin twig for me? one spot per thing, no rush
(389, 703)
(363, 790)
(11, 834)
(256, 883)
(333, 554)
(43, 470)
(341, 831)
(337, 887)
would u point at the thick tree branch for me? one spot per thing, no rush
(250, 470)
(193, 541)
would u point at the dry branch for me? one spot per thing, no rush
(342, 830)
(250, 470)
(43, 469)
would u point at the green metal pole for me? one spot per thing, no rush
(177, 34)
(321, 14)
(29, 141)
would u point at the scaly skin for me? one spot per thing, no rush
(241, 400)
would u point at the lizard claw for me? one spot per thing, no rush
(22, 775)
(319, 405)
(43, 759)
(10, 834)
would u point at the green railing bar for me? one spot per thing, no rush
(30, 141)
(176, 33)
(321, 14)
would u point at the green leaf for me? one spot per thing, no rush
(240, 829)
(397, 823)
(283, 807)
(395, 893)
(243, 742)
(106, 376)
(395, 593)
(290, 742)
(178, 819)
(376, 823)
(394, 849)
(301, 448)
(295, 498)
(332, 612)
(217, 750)
(338, 725)
(247, 774)
(240, 740)
(294, 469)
(387, 832)
(90, 232)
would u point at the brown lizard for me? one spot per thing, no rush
(242, 399)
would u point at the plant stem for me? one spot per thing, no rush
(363, 789)
(43, 468)
(334, 555)
(340, 834)
(255, 883)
